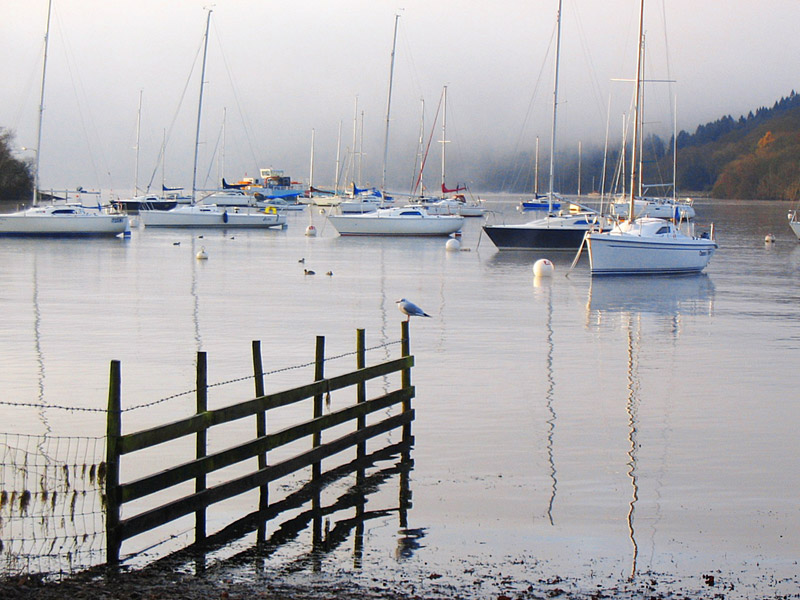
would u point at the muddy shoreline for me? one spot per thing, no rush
(173, 583)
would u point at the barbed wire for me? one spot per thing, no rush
(87, 409)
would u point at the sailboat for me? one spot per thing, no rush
(457, 203)
(538, 202)
(646, 245)
(557, 230)
(414, 220)
(59, 219)
(210, 214)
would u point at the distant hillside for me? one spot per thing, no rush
(757, 156)
(754, 157)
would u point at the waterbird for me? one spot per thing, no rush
(309, 272)
(410, 309)
(329, 273)
(302, 260)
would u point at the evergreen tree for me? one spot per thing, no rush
(16, 179)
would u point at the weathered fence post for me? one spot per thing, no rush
(406, 377)
(361, 452)
(261, 431)
(361, 390)
(201, 443)
(319, 375)
(113, 433)
(316, 468)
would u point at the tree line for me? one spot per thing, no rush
(754, 157)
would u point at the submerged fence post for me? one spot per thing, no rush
(201, 443)
(113, 433)
(261, 432)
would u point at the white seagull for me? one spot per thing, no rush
(410, 309)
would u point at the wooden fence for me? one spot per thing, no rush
(199, 425)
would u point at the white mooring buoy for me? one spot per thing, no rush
(311, 231)
(543, 268)
(202, 255)
(453, 245)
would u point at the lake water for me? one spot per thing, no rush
(570, 433)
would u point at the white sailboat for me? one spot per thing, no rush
(59, 219)
(646, 245)
(210, 214)
(456, 204)
(397, 221)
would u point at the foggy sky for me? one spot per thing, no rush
(277, 70)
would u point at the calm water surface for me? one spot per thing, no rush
(591, 430)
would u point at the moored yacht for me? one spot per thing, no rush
(397, 221)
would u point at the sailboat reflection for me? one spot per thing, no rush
(632, 302)
(542, 289)
(669, 296)
(632, 409)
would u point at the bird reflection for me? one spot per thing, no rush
(408, 542)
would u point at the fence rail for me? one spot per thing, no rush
(201, 423)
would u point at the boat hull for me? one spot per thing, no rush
(629, 254)
(68, 225)
(133, 207)
(795, 224)
(550, 233)
(520, 238)
(539, 206)
(375, 224)
(208, 217)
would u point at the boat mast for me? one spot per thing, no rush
(351, 169)
(361, 148)
(138, 133)
(388, 107)
(536, 172)
(311, 166)
(41, 108)
(634, 144)
(444, 140)
(200, 108)
(338, 152)
(555, 107)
